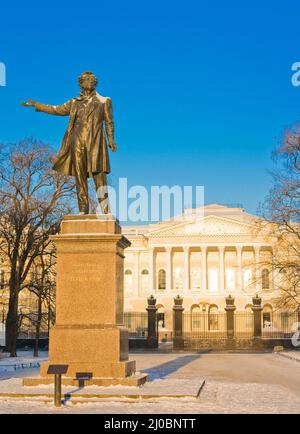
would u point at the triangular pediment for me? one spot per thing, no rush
(209, 225)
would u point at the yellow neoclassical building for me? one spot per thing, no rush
(202, 256)
(201, 259)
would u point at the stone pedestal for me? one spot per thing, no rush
(89, 335)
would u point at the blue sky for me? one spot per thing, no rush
(201, 90)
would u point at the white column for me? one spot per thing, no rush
(257, 268)
(274, 271)
(169, 269)
(204, 269)
(136, 273)
(186, 268)
(239, 268)
(152, 279)
(222, 268)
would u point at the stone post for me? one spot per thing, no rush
(230, 309)
(152, 341)
(257, 309)
(178, 342)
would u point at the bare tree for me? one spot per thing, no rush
(42, 286)
(33, 200)
(281, 221)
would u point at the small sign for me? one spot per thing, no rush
(57, 369)
(84, 375)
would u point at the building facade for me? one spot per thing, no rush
(203, 260)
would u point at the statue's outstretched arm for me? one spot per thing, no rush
(59, 110)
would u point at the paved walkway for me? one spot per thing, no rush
(262, 368)
(234, 383)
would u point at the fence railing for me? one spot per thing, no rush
(192, 329)
(203, 325)
(243, 325)
(28, 328)
(30, 334)
(282, 325)
(137, 324)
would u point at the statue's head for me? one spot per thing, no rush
(88, 81)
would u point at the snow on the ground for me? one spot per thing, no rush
(159, 387)
(23, 357)
(249, 398)
(235, 383)
(217, 397)
(24, 360)
(292, 354)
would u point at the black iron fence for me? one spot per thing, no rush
(137, 324)
(243, 325)
(251, 329)
(210, 330)
(28, 327)
(194, 330)
(203, 325)
(280, 325)
(215, 330)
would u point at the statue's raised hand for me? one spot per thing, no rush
(28, 103)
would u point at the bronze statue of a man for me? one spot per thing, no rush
(84, 151)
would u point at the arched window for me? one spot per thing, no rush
(2, 279)
(247, 278)
(178, 278)
(213, 318)
(161, 279)
(128, 284)
(230, 279)
(213, 280)
(196, 278)
(265, 278)
(145, 280)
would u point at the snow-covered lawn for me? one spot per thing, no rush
(235, 383)
(24, 360)
(217, 397)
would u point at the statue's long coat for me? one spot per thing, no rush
(99, 111)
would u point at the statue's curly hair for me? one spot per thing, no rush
(89, 74)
